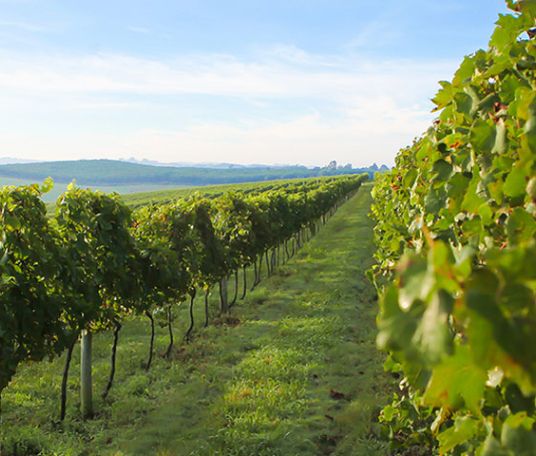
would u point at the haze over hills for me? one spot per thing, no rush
(212, 165)
(118, 172)
(12, 160)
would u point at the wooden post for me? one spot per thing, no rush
(86, 387)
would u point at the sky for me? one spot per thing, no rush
(236, 81)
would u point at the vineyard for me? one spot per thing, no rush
(163, 291)
(95, 264)
(456, 236)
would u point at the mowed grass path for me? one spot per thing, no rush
(294, 372)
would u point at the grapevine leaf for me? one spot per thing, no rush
(518, 435)
(464, 429)
(456, 382)
(515, 183)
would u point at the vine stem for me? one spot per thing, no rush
(245, 290)
(113, 360)
(149, 315)
(207, 294)
(191, 327)
(65, 378)
(170, 331)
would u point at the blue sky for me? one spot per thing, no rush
(235, 81)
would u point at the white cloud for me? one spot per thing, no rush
(359, 139)
(25, 26)
(376, 107)
(309, 140)
(287, 73)
(142, 30)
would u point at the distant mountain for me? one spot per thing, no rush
(10, 160)
(201, 165)
(116, 172)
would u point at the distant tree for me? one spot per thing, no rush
(332, 164)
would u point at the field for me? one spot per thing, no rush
(294, 370)
(59, 188)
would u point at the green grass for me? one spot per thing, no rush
(294, 372)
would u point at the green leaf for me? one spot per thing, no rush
(505, 34)
(416, 283)
(433, 335)
(47, 185)
(464, 103)
(464, 429)
(518, 434)
(515, 183)
(471, 201)
(521, 226)
(465, 71)
(492, 447)
(500, 139)
(442, 170)
(396, 328)
(486, 214)
(444, 96)
(483, 136)
(457, 382)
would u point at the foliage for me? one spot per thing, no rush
(95, 262)
(99, 263)
(456, 236)
(31, 290)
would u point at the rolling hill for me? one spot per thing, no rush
(121, 173)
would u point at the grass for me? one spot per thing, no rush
(295, 371)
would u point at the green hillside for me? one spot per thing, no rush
(59, 187)
(120, 173)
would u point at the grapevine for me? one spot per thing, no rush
(96, 262)
(456, 237)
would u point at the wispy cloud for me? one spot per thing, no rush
(270, 75)
(376, 34)
(142, 30)
(376, 106)
(25, 26)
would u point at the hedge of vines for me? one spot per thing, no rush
(456, 259)
(96, 262)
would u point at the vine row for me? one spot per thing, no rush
(456, 269)
(95, 262)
